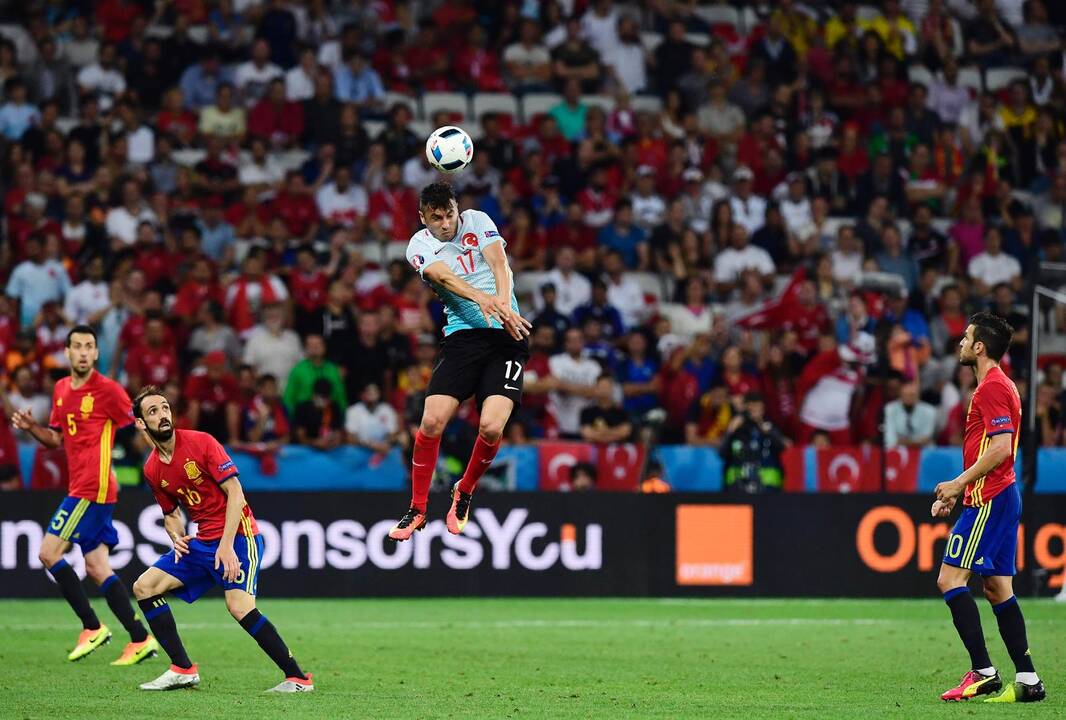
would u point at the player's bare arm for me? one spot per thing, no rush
(48, 437)
(174, 523)
(492, 306)
(497, 260)
(999, 449)
(225, 556)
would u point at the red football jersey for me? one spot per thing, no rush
(996, 408)
(88, 418)
(192, 478)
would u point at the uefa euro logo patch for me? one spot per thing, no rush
(418, 261)
(1005, 420)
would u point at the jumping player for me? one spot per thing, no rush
(87, 409)
(191, 469)
(461, 256)
(984, 539)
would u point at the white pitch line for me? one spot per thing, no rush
(529, 623)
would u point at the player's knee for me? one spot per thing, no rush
(946, 581)
(97, 569)
(49, 557)
(490, 431)
(143, 588)
(239, 607)
(433, 424)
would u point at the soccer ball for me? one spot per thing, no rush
(449, 149)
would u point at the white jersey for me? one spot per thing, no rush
(463, 256)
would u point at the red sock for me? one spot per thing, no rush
(423, 462)
(480, 460)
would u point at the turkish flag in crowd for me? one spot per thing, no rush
(901, 469)
(618, 466)
(849, 469)
(556, 460)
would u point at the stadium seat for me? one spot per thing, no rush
(651, 284)
(867, 12)
(373, 127)
(538, 104)
(293, 159)
(750, 19)
(527, 284)
(188, 157)
(646, 103)
(698, 39)
(66, 124)
(920, 74)
(651, 40)
(1000, 77)
(392, 98)
(718, 15)
(970, 77)
(601, 101)
(422, 128)
(454, 103)
(503, 103)
(373, 252)
(394, 251)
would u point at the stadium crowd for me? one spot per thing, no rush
(708, 207)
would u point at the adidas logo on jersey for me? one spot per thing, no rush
(163, 483)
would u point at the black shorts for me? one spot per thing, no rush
(480, 362)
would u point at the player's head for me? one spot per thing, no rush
(988, 335)
(439, 211)
(81, 350)
(151, 413)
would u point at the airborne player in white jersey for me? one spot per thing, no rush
(461, 256)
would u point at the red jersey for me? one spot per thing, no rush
(155, 366)
(996, 408)
(192, 479)
(88, 417)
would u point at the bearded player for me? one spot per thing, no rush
(191, 470)
(461, 256)
(984, 539)
(87, 409)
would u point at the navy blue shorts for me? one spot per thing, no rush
(197, 572)
(985, 539)
(84, 523)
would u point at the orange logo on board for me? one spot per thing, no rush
(715, 544)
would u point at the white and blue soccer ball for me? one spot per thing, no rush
(449, 149)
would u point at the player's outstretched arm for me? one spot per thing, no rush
(225, 555)
(492, 307)
(48, 437)
(174, 524)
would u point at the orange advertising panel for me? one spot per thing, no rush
(715, 544)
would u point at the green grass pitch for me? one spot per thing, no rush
(530, 658)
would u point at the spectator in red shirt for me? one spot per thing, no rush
(275, 119)
(428, 60)
(153, 361)
(212, 395)
(307, 282)
(174, 119)
(478, 65)
(199, 287)
(116, 17)
(263, 417)
(295, 206)
(394, 207)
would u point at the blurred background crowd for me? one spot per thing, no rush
(757, 221)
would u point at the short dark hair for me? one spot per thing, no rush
(436, 196)
(146, 391)
(993, 331)
(80, 330)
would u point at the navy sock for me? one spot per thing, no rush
(968, 622)
(264, 632)
(1012, 630)
(156, 611)
(70, 585)
(118, 599)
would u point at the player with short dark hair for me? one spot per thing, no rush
(191, 470)
(461, 256)
(87, 409)
(985, 537)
